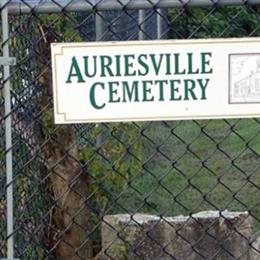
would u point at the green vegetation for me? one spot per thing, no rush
(178, 167)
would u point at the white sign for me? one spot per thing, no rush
(156, 80)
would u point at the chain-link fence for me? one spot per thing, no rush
(126, 190)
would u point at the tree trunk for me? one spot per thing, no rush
(69, 186)
(68, 181)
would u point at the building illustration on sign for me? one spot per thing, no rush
(245, 78)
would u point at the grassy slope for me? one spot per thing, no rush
(198, 165)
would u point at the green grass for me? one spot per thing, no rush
(195, 166)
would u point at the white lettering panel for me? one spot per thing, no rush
(156, 80)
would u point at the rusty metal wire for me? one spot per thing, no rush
(68, 179)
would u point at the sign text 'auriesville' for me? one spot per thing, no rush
(162, 64)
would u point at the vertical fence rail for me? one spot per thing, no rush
(99, 24)
(141, 23)
(8, 137)
(159, 23)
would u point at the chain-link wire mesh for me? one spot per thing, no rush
(80, 189)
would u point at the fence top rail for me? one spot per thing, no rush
(51, 6)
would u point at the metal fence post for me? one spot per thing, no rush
(8, 135)
(159, 23)
(141, 17)
(99, 24)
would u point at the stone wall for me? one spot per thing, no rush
(205, 235)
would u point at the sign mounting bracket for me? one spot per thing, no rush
(7, 61)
